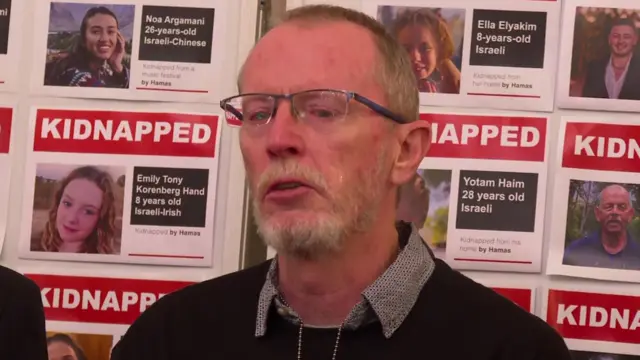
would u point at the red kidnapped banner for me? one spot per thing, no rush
(5, 129)
(606, 147)
(487, 137)
(589, 316)
(521, 297)
(99, 300)
(126, 133)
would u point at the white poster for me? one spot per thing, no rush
(595, 324)
(87, 316)
(6, 115)
(129, 49)
(595, 231)
(497, 53)
(479, 196)
(120, 186)
(11, 20)
(599, 65)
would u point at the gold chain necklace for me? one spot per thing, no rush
(335, 347)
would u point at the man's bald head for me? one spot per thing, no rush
(614, 190)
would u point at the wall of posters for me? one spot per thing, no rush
(129, 49)
(88, 315)
(598, 69)
(497, 54)
(6, 116)
(479, 195)
(120, 186)
(595, 324)
(594, 232)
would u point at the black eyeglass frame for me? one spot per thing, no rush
(377, 108)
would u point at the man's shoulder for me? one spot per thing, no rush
(13, 282)
(587, 241)
(478, 306)
(228, 288)
(178, 319)
(491, 323)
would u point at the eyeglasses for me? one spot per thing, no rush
(317, 105)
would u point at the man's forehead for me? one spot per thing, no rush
(623, 28)
(296, 56)
(614, 193)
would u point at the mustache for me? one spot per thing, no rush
(290, 169)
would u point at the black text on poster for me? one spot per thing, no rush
(169, 196)
(503, 201)
(508, 38)
(176, 34)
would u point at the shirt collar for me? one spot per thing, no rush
(390, 298)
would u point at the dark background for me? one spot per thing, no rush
(506, 215)
(193, 207)
(518, 55)
(4, 26)
(171, 53)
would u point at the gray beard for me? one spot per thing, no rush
(326, 234)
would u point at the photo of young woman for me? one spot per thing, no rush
(69, 346)
(433, 39)
(95, 52)
(77, 211)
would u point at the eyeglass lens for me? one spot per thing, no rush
(315, 105)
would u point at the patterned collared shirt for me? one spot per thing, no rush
(388, 300)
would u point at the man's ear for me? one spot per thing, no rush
(414, 139)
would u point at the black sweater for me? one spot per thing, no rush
(22, 326)
(454, 318)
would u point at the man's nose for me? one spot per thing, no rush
(285, 134)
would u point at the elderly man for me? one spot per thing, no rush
(329, 109)
(22, 324)
(611, 245)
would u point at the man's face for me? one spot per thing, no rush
(614, 211)
(622, 40)
(340, 169)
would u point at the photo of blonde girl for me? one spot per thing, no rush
(80, 212)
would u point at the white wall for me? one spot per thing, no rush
(229, 214)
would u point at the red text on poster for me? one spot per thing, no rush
(595, 146)
(100, 300)
(521, 297)
(591, 316)
(5, 129)
(131, 133)
(487, 137)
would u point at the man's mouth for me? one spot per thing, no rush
(285, 185)
(287, 189)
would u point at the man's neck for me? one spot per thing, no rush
(620, 62)
(323, 291)
(614, 243)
